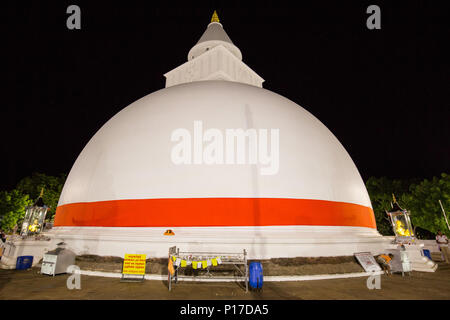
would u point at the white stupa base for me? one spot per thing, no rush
(260, 242)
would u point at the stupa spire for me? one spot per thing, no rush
(214, 57)
(215, 17)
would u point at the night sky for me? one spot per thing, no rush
(383, 93)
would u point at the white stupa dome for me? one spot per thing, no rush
(129, 159)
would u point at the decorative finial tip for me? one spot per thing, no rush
(393, 197)
(42, 193)
(215, 17)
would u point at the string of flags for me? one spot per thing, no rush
(202, 264)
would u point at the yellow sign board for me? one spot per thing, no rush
(134, 264)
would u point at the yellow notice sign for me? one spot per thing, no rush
(134, 264)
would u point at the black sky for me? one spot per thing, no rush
(383, 93)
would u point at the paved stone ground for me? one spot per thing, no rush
(29, 284)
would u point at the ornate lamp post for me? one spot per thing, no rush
(401, 223)
(34, 217)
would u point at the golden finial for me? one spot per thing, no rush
(42, 193)
(393, 197)
(215, 17)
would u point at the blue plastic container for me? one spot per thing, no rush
(256, 278)
(427, 253)
(24, 262)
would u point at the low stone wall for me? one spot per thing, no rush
(271, 267)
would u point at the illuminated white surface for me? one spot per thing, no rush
(129, 157)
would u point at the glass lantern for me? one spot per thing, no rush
(401, 224)
(33, 222)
